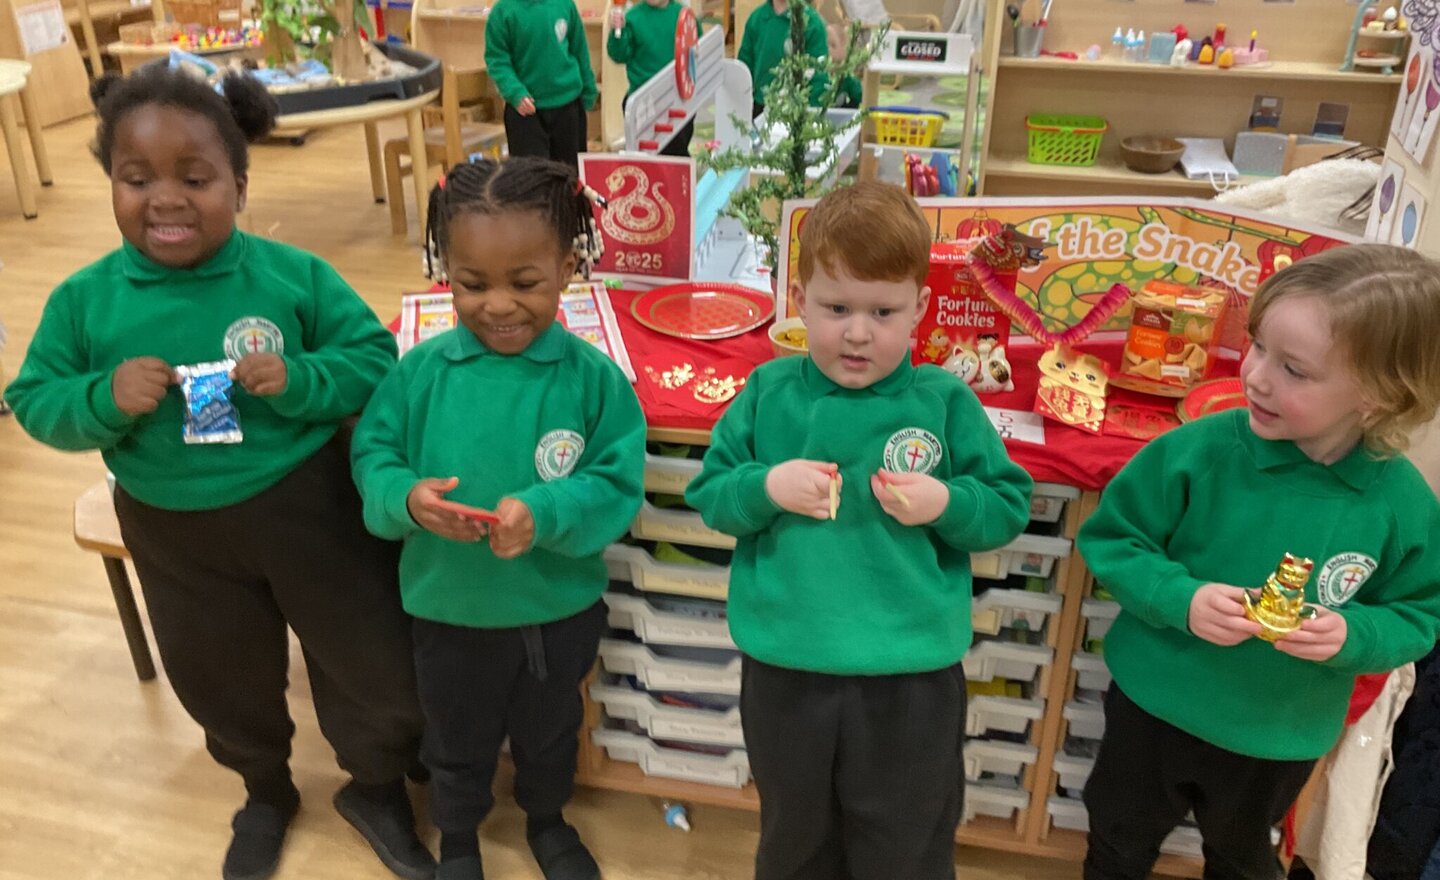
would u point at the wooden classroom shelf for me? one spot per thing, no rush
(1273, 70)
(1121, 177)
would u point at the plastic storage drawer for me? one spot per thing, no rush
(991, 800)
(984, 756)
(1047, 501)
(1001, 714)
(987, 660)
(1026, 555)
(1085, 720)
(1073, 772)
(996, 609)
(1183, 841)
(1091, 672)
(652, 576)
(659, 621)
(1099, 614)
(660, 673)
(677, 526)
(670, 722)
(731, 770)
(1067, 812)
(669, 475)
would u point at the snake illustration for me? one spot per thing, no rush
(641, 216)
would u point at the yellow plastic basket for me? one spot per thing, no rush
(907, 129)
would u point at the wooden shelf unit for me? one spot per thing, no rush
(1154, 99)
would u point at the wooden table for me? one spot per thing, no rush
(97, 529)
(368, 115)
(131, 56)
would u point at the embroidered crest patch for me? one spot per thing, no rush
(1342, 576)
(557, 453)
(912, 450)
(253, 335)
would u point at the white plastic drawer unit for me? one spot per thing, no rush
(997, 609)
(731, 770)
(658, 672)
(664, 721)
(991, 800)
(1073, 771)
(649, 575)
(677, 526)
(661, 620)
(987, 660)
(1091, 673)
(1085, 720)
(1047, 501)
(1099, 614)
(983, 756)
(670, 475)
(1068, 812)
(1026, 555)
(989, 714)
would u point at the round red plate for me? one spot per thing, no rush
(702, 311)
(1216, 395)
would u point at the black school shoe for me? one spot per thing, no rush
(467, 868)
(562, 855)
(389, 828)
(254, 851)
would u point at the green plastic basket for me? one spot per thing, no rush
(1064, 140)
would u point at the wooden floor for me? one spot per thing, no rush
(103, 777)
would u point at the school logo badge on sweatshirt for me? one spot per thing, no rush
(1342, 576)
(557, 453)
(562, 28)
(912, 450)
(253, 336)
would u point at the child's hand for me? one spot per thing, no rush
(421, 502)
(526, 106)
(512, 535)
(1319, 638)
(925, 497)
(261, 374)
(617, 19)
(1217, 615)
(139, 384)
(802, 486)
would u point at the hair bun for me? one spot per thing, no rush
(103, 86)
(253, 107)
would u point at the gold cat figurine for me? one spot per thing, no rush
(1281, 608)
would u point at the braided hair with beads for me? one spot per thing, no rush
(484, 186)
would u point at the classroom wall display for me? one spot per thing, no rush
(1093, 244)
(1409, 214)
(1382, 205)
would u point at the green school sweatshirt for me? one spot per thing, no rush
(1211, 502)
(253, 295)
(767, 40)
(647, 42)
(537, 48)
(860, 594)
(556, 426)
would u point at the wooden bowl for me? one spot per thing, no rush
(1151, 155)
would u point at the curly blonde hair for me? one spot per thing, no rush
(1384, 308)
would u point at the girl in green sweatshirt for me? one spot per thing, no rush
(257, 526)
(506, 454)
(1202, 714)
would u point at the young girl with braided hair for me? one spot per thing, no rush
(506, 453)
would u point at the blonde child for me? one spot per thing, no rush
(509, 412)
(852, 609)
(234, 541)
(1203, 715)
(538, 56)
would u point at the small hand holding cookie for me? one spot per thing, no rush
(910, 499)
(804, 487)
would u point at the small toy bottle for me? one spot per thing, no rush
(1117, 45)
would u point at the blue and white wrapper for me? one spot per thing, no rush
(210, 415)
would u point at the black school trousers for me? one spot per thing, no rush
(221, 586)
(860, 777)
(478, 686)
(1149, 774)
(557, 133)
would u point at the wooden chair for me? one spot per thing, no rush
(97, 530)
(12, 82)
(447, 145)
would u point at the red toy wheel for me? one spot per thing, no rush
(685, 53)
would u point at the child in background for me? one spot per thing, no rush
(233, 541)
(537, 54)
(853, 608)
(508, 411)
(1202, 715)
(767, 40)
(643, 40)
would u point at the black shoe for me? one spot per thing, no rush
(465, 868)
(254, 851)
(389, 828)
(562, 855)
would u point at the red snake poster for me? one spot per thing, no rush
(648, 225)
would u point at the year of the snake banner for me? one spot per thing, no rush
(649, 222)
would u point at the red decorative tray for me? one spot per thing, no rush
(1215, 395)
(698, 310)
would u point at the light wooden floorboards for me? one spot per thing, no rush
(103, 777)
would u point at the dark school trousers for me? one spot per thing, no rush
(479, 685)
(557, 133)
(860, 777)
(1150, 773)
(222, 585)
(680, 144)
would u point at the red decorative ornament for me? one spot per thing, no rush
(685, 53)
